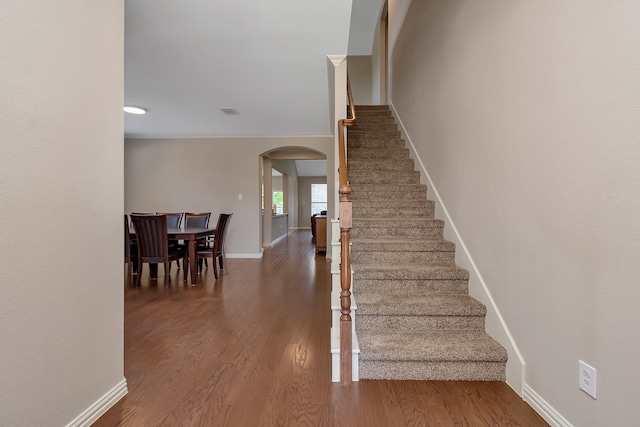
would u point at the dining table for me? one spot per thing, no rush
(190, 235)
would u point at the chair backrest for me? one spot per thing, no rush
(152, 237)
(174, 219)
(221, 233)
(196, 220)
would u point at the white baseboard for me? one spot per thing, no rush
(495, 324)
(102, 405)
(543, 408)
(259, 255)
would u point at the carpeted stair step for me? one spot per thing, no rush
(406, 228)
(372, 111)
(392, 212)
(369, 134)
(371, 107)
(375, 143)
(373, 126)
(416, 280)
(363, 120)
(431, 355)
(411, 287)
(371, 177)
(378, 312)
(389, 192)
(417, 272)
(353, 154)
(381, 165)
(398, 203)
(402, 252)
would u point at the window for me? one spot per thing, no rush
(318, 198)
(278, 201)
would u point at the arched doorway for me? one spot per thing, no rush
(287, 173)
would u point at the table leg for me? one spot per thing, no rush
(193, 261)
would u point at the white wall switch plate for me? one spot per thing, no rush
(587, 378)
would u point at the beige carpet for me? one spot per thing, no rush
(415, 319)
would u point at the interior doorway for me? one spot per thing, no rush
(286, 175)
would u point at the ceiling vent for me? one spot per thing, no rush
(230, 111)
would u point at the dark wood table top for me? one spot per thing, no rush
(190, 233)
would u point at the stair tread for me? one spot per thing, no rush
(402, 245)
(397, 222)
(430, 346)
(385, 304)
(410, 272)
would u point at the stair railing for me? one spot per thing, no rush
(346, 350)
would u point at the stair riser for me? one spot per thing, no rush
(363, 121)
(398, 233)
(382, 165)
(373, 126)
(417, 323)
(356, 154)
(432, 371)
(402, 258)
(384, 179)
(361, 134)
(397, 204)
(376, 212)
(397, 188)
(375, 143)
(390, 195)
(372, 113)
(398, 223)
(410, 287)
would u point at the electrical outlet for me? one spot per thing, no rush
(239, 196)
(587, 378)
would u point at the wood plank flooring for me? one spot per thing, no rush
(252, 349)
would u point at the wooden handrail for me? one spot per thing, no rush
(346, 349)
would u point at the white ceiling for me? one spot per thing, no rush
(311, 167)
(267, 59)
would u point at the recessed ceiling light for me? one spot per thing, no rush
(230, 111)
(134, 110)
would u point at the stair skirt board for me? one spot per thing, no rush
(416, 319)
(494, 323)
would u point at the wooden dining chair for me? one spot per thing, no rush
(196, 220)
(174, 220)
(199, 220)
(153, 244)
(217, 252)
(130, 251)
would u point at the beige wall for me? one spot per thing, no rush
(162, 174)
(289, 167)
(61, 190)
(304, 199)
(360, 70)
(527, 118)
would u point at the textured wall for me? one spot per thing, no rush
(527, 116)
(61, 190)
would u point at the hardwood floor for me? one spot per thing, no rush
(252, 349)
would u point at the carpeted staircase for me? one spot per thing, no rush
(415, 319)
